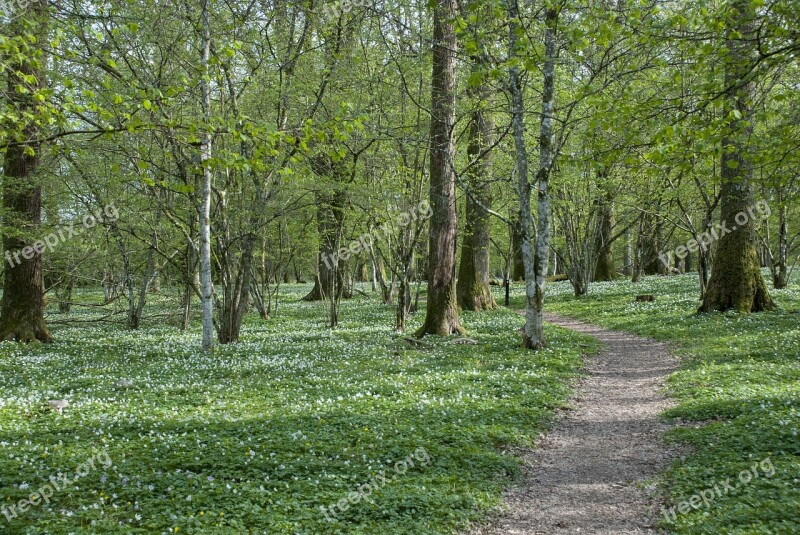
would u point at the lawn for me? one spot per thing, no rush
(258, 437)
(738, 401)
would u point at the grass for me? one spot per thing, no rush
(261, 434)
(738, 401)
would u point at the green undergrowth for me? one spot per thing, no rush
(259, 435)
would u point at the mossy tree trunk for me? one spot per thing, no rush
(605, 269)
(442, 311)
(22, 306)
(736, 281)
(472, 290)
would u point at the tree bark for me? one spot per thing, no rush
(442, 311)
(517, 263)
(22, 306)
(779, 267)
(472, 290)
(204, 210)
(736, 281)
(330, 268)
(605, 270)
(535, 261)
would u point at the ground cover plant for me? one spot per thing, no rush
(259, 435)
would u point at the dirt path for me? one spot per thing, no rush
(589, 475)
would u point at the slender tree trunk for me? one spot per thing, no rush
(535, 260)
(472, 290)
(65, 295)
(22, 306)
(206, 283)
(546, 158)
(736, 281)
(517, 263)
(627, 259)
(605, 270)
(650, 242)
(779, 267)
(442, 312)
(404, 293)
(331, 207)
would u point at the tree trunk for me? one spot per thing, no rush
(650, 242)
(517, 263)
(472, 290)
(779, 267)
(736, 282)
(547, 156)
(605, 270)
(627, 259)
(22, 306)
(236, 292)
(65, 295)
(331, 268)
(535, 261)
(204, 210)
(442, 311)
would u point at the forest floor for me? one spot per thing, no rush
(298, 429)
(737, 401)
(593, 473)
(302, 429)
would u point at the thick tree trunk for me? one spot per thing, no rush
(472, 290)
(736, 282)
(442, 311)
(22, 306)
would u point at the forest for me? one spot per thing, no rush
(372, 266)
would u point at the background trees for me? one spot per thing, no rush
(299, 127)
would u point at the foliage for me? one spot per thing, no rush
(262, 433)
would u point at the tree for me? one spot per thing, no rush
(442, 312)
(736, 281)
(204, 209)
(472, 290)
(535, 257)
(22, 307)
